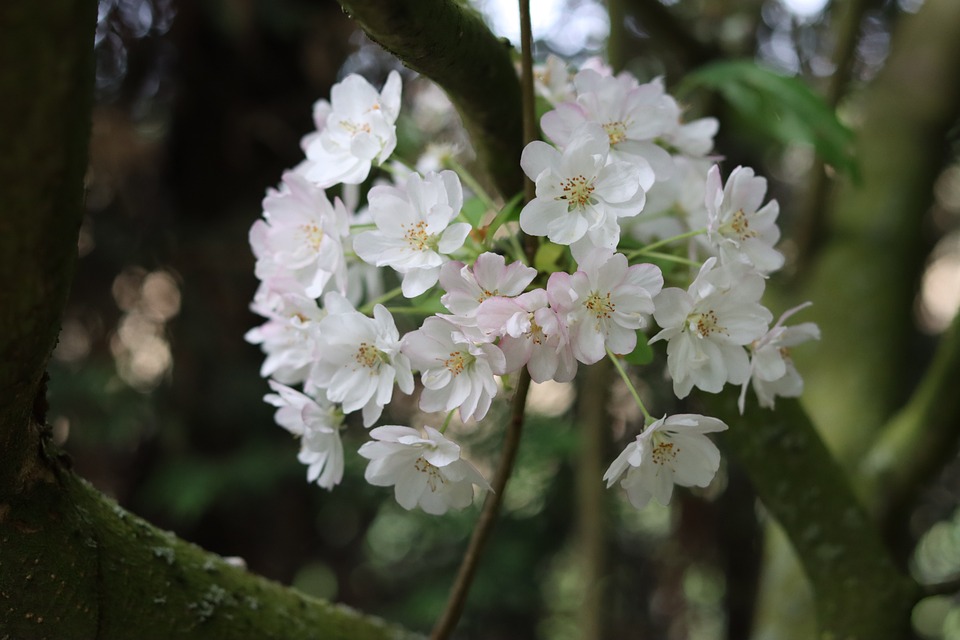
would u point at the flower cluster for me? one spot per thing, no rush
(621, 176)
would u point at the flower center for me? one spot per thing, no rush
(485, 293)
(705, 324)
(616, 131)
(367, 355)
(739, 226)
(417, 237)
(536, 332)
(601, 306)
(313, 234)
(457, 362)
(577, 192)
(353, 128)
(663, 452)
(434, 479)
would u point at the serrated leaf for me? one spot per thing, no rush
(780, 107)
(643, 353)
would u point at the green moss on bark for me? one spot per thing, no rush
(73, 564)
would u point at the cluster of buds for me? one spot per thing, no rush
(624, 189)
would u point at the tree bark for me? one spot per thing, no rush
(859, 592)
(449, 43)
(46, 80)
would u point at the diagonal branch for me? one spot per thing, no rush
(450, 44)
(919, 440)
(804, 488)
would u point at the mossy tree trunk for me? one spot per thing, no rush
(72, 563)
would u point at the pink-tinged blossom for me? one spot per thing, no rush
(301, 234)
(581, 194)
(737, 226)
(605, 303)
(708, 326)
(355, 129)
(466, 287)
(531, 334)
(771, 367)
(633, 117)
(359, 358)
(672, 450)
(456, 370)
(289, 338)
(552, 80)
(425, 469)
(317, 423)
(694, 139)
(414, 234)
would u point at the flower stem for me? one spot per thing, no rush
(666, 241)
(669, 257)
(633, 390)
(472, 183)
(389, 295)
(446, 421)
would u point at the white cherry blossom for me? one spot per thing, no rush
(708, 326)
(301, 234)
(633, 117)
(456, 370)
(355, 129)
(317, 422)
(605, 303)
(531, 333)
(359, 358)
(672, 450)
(414, 234)
(771, 367)
(289, 338)
(466, 287)
(425, 469)
(581, 194)
(738, 227)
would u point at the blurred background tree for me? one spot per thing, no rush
(199, 106)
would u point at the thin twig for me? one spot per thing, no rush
(488, 516)
(511, 442)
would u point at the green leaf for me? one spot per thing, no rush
(780, 107)
(643, 353)
(473, 211)
(548, 256)
(510, 212)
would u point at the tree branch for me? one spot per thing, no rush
(46, 78)
(919, 440)
(72, 563)
(488, 516)
(76, 565)
(804, 488)
(450, 44)
(863, 281)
